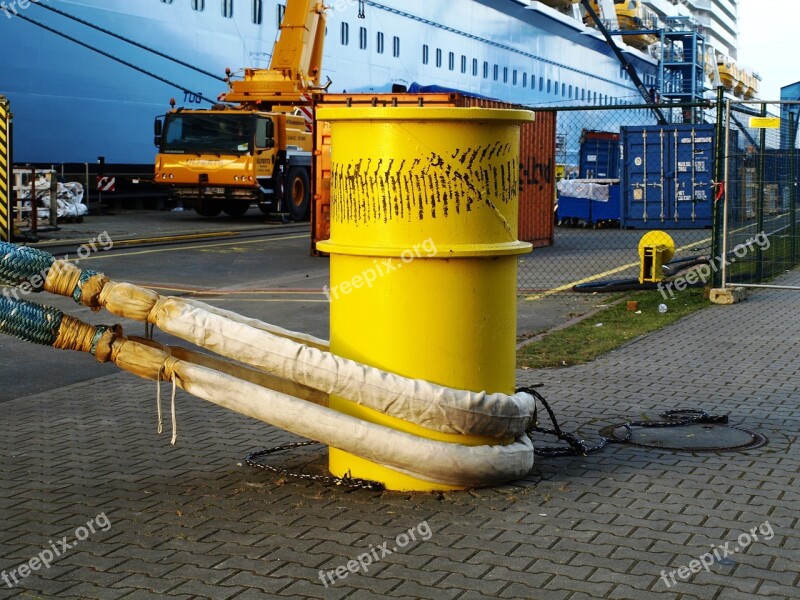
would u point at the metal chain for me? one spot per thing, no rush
(346, 481)
(578, 447)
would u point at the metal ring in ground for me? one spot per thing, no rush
(688, 438)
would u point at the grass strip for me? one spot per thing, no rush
(587, 340)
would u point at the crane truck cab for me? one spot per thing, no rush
(251, 148)
(225, 159)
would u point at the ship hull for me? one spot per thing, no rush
(72, 104)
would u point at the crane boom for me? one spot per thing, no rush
(296, 64)
(626, 64)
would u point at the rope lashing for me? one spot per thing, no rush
(77, 292)
(49, 326)
(20, 265)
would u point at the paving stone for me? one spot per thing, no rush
(523, 592)
(426, 576)
(481, 562)
(584, 559)
(41, 586)
(205, 575)
(477, 566)
(625, 592)
(103, 578)
(284, 555)
(264, 584)
(146, 595)
(487, 586)
(90, 591)
(379, 585)
(157, 585)
(304, 589)
(474, 595)
(586, 585)
(530, 577)
(734, 594)
(198, 588)
(415, 590)
(767, 576)
(366, 595)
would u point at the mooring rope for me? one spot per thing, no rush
(30, 322)
(20, 264)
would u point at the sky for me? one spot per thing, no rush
(769, 43)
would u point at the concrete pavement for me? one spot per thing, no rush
(95, 504)
(189, 521)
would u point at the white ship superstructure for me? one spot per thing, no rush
(73, 104)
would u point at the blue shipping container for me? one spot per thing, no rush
(666, 176)
(599, 155)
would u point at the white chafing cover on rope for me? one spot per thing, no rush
(426, 404)
(240, 389)
(430, 460)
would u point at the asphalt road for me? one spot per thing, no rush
(261, 270)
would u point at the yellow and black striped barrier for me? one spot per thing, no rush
(6, 213)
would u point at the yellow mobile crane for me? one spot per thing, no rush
(252, 147)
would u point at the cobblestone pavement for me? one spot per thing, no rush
(189, 521)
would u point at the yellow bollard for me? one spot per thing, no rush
(656, 248)
(424, 253)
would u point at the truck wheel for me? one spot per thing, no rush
(297, 195)
(236, 208)
(209, 208)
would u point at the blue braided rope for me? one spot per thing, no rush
(30, 322)
(101, 329)
(77, 293)
(20, 264)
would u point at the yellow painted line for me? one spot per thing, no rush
(270, 300)
(183, 248)
(176, 238)
(210, 292)
(207, 292)
(137, 241)
(162, 288)
(570, 285)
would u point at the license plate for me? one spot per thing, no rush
(215, 190)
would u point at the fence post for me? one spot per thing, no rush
(6, 193)
(719, 178)
(34, 214)
(53, 200)
(760, 182)
(792, 190)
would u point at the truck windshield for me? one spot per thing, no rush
(198, 132)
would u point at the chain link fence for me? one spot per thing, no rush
(759, 226)
(620, 174)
